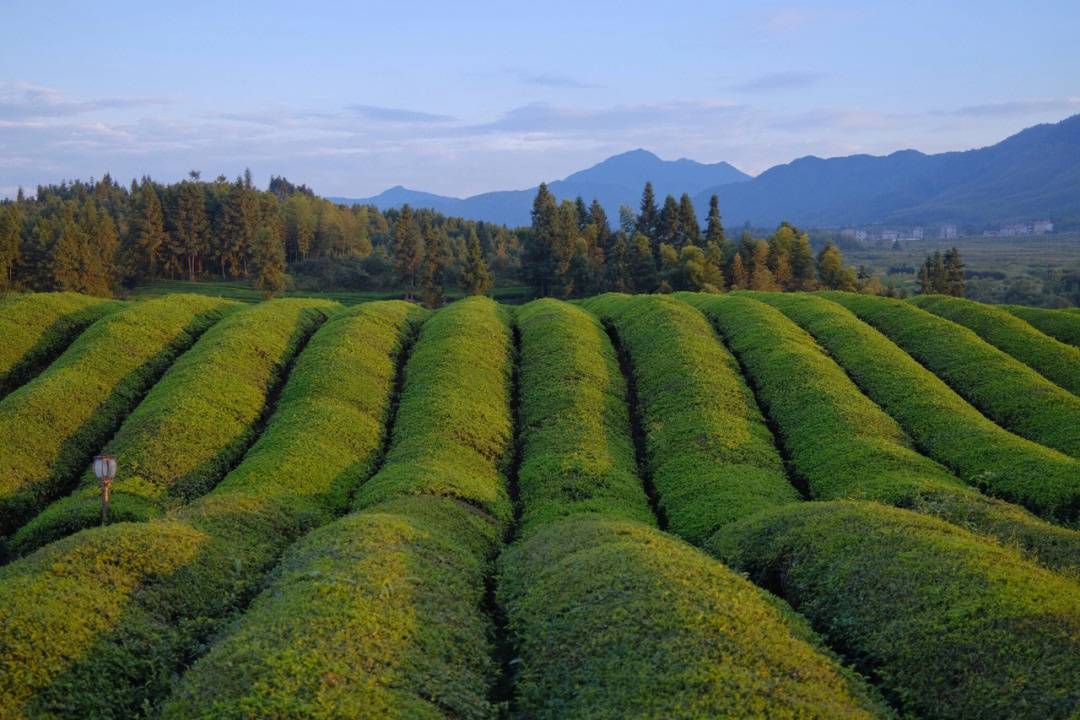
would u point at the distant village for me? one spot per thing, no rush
(947, 232)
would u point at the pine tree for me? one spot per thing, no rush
(761, 278)
(408, 249)
(715, 229)
(669, 225)
(641, 265)
(739, 279)
(475, 278)
(431, 291)
(11, 229)
(191, 227)
(647, 220)
(148, 228)
(268, 261)
(689, 225)
(782, 273)
(541, 260)
(953, 281)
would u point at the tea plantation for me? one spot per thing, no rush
(748, 505)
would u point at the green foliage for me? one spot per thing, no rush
(380, 614)
(51, 426)
(475, 278)
(36, 328)
(193, 425)
(453, 426)
(949, 625)
(377, 615)
(710, 455)
(577, 448)
(942, 424)
(843, 446)
(616, 619)
(1001, 387)
(1062, 326)
(1057, 362)
(99, 623)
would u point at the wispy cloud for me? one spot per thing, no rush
(778, 81)
(22, 101)
(782, 21)
(397, 115)
(553, 80)
(1019, 107)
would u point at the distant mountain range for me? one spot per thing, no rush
(1034, 174)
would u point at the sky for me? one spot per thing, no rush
(460, 98)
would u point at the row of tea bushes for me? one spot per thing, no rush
(845, 447)
(1001, 387)
(1057, 324)
(37, 327)
(194, 424)
(380, 614)
(577, 447)
(97, 624)
(943, 425)
(609, 617)
(52, 426)
(711, 457)
(948, 624)
(1057, 362)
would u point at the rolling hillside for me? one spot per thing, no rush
(761, 505)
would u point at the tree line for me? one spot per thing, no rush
(97, 237)
(574, 252)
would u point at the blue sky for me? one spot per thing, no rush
(460, 98)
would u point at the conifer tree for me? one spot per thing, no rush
(739, 278)
(641, 265)
(649, 217)
(541, 261)
(715, 229)
(191, 227)
(953, 267)
(11, 229)
(669, 225)
(689, 225)
(475, 278)
(268, 261)
(431, 292)
(148, 229)
(408, 249)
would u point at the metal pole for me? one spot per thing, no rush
(106, 482)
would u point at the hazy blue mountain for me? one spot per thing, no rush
(617, 180)
(1034, 174)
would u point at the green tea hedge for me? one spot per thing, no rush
(845, 447)
(577, 447)
(380, 613)
(616, 619)
(710, 455)
(98, 623)
(37, 327)
(1055, 323)
(1001, 387)
(951, 626)
(942, 424)
(52, 426)
(1057, 362)
(193, 425)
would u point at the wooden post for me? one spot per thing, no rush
(105, 483)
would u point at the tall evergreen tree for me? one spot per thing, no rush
(669, 225)
(689, 225)
(11, 230)
(191, 227)
(649, 217)
(268, 261)
(542, 262)
(641, 265)
(408, 249)
(953, 282)
(831, 271)
(148, 230)
(475, 278)
(431, 291)
(714, 231)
